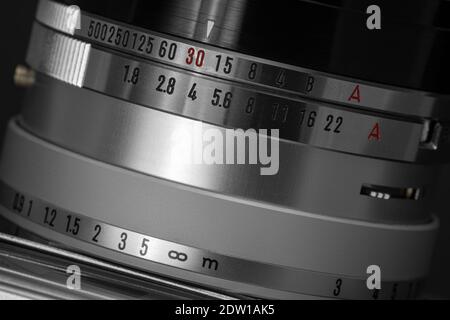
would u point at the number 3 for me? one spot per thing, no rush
(337, 290)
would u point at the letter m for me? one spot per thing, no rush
(210, 263)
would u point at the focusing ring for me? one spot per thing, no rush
(46, 211)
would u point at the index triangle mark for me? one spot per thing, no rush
(209, 27)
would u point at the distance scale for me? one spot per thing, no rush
(84, 228)
(227, 104)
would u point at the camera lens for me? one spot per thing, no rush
(270, 151)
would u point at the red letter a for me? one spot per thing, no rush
(375, 133)
(355, 94)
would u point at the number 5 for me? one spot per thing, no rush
(144, 247)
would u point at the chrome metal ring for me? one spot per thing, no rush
(143, 246)
(230, 65)
(107, 232)
(230, 105)
(148, 141)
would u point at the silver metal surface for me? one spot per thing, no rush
(67, 58)
(239, 67)
(177, 255)
(38, 271)
(93, 164)
(148, 141)
(70, 181)
(86, 189)
(226, 104)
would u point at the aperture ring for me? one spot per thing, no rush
(229, 105)
(157, 144)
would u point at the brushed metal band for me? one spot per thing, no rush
(221, 63)
(82, 188)
(22, 259)
(143, 246)
(146, 140)
(226, 104)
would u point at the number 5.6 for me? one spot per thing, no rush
(218, 101)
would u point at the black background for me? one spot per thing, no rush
(15, 24)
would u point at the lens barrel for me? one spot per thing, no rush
(358, 120)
